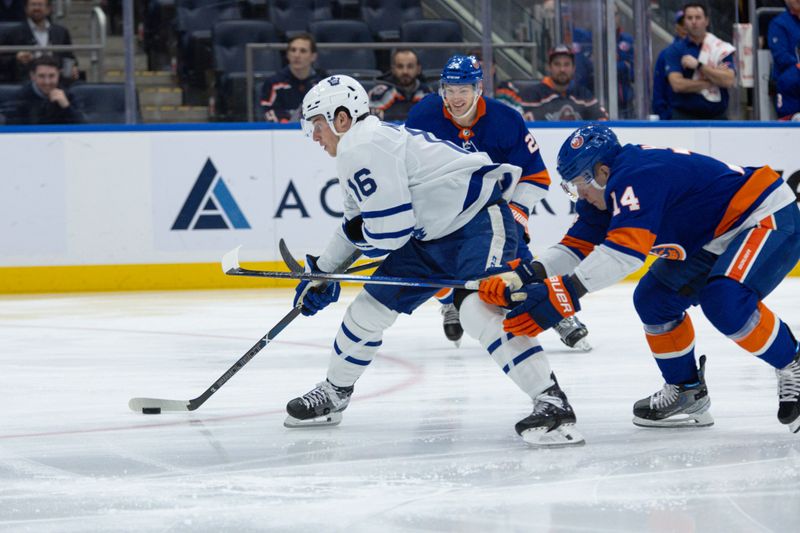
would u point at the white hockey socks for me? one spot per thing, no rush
(358, 339)
(521, 358)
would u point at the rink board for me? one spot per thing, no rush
(138, 208)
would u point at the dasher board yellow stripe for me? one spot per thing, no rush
(91, 278)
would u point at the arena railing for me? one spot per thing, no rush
(97, 32)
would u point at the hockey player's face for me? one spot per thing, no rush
(323, 135)
(591, 189)
(459, 98)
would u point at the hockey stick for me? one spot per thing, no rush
(295, 265)
(156, 405)
(230, 265)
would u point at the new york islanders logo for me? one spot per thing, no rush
(675, 252)
(576, 142)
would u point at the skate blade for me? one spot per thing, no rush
(560, 437)
(701, 420)
(794, 427)
(457, 343)
(332, 419)
(583, 345)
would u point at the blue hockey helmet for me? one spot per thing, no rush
(462, 70)
(583, 149)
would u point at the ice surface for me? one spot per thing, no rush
(428, 443)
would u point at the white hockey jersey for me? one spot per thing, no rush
(407, 183)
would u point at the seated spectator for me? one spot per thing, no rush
(557, 97)
(783, 39)
(282, 94)
(662, 91)
(37, 30)
(12, 10)
(700, 70)
(42, 101)
(392, 98)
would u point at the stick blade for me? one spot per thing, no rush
(137, 404)
(230, 261)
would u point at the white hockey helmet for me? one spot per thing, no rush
(329, 95)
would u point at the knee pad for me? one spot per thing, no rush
(727, 304)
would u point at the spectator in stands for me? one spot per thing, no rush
(12, 10)
(784, 43)
(37, 30)
(42, 101)
(662, 91)
(282, 94)
(396, 94)
(557, 97)
(584, 65)
(700, 70)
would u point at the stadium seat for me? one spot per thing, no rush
(228, 40)
(102, 103)
(432, 30)
(359, 62)
(384, 17)
(291, 17)
(195, 18)
(7, 99)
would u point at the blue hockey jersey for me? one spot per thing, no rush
(497, 130)
(672, 203)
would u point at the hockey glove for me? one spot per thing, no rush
(354, 231)
(496, 290)
(545, 305)
(521, 217)
(315, 295)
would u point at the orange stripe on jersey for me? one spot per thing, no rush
(757, 341)
(444, 293)
(745, 196)
(637, 239)
(675, 343)
(542, 178)
(747, 254)
(584, 247)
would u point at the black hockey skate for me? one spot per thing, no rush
(573, 333)
(452, 325)
(552, 422)
(675, 406)
(789, 394)
(321, 406)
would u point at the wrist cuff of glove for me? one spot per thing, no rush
(558, 284)
(354, 229)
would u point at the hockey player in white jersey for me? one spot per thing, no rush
(438, 211)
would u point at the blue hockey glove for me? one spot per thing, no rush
(354, 231)
(315, 295)
(545, 305)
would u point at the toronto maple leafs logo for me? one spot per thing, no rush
(333, 81)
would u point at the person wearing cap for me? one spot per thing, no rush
(461, 114)
(557, 97)
(662, 91)
(783, 39)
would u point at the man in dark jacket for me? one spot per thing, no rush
(36, 30)
(42, 101)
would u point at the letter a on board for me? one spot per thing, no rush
(210, 204)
